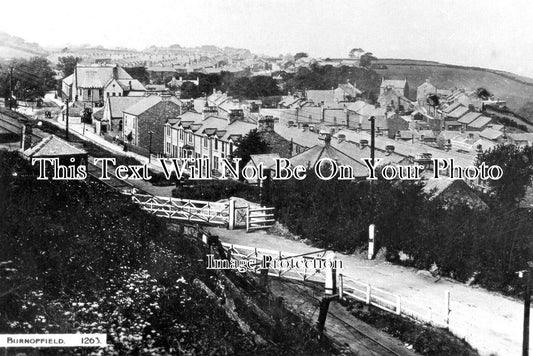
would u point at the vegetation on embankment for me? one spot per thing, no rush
(77, 257)
(425, 339)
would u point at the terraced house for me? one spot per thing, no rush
(144, 122)
(206, 135)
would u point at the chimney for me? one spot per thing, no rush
(448, 145)
(479, 149)
(398, 136)
(389, 149)
(327, 138)
(265, 124)
(130, 85)
(341, 138)
(363, 144)
(115, 72)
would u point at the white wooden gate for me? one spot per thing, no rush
(259, 218)
(185, 209)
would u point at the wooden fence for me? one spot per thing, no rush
(185, 209)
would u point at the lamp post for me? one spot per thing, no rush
(150, 147)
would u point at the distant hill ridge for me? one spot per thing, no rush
(418, 62)
(516, 90)
(17, 43)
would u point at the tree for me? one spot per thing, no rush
(517, 165)
(251, 144)
(189, 91)
(366, 59)
(139, 73)
(483, 93)
(356, 52)
(300, 55)
(32, 78)
(67, 64)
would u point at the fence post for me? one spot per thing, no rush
(341, 286)
(247, 218)
(324, 305)
(430, 315)
(331, 279)
(368, 288)
(371, 233)
(231, 224)
(398, 305)
(447, 308)
(279, 271)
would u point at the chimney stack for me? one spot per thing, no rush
(363, 144)
(390, 149)
(341, 138)
(448, 145)
(265, 124)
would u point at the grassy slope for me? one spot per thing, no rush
(516, 90)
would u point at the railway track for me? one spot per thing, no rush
(14, 126)
(359, 340)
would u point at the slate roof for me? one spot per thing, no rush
(490, 134)
(148, 102)
(469, 117)
(319, 96)
(311, 156)
(267, 159)
(451, 107)
(350, 89)
(118, 104)
(97, 77)
(397, 84)
(458, 112)
(53, 146)
(480, 122)
(68, 80)
(135, 84)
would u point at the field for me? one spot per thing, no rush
(516, 90)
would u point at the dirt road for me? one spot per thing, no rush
(490, 322)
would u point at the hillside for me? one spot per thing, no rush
(516, 90)
(16, 47)
(78, 257)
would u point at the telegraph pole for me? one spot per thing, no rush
(371, 228)
(67, 120)
(372, 138)
(150, 147)
(11, 88)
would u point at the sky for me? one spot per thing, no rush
(491, 34)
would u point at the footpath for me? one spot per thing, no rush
(492, 323)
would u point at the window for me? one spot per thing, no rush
(223, 146)
(206, 140)
(215, 162)
(230, 148)
(181, 134)
(216, 144)
(114, 94)
(190, 137)
(108, 94)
